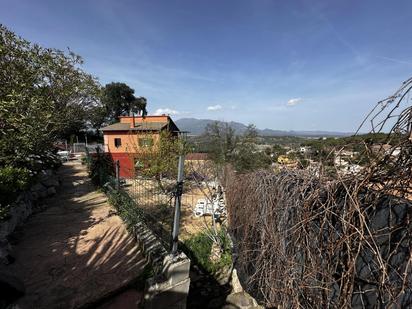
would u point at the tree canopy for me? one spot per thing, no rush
(220, 140)
(247, 157)
(224, 146)
(44, 95)
(118, 100)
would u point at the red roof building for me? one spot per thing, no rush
(131, 135)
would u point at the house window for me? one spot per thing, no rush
(117, 142)
(145, 142)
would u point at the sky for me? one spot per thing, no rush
(287, 65)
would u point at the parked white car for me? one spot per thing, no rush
(64, 155)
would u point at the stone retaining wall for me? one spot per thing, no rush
(26, 203)
(169, 286)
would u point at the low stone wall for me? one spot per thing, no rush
(26, 203)
(239, 298)
(153, 249)
(169, 286)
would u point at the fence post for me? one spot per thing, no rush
(117, 174)
(178, 202)
(99, 166)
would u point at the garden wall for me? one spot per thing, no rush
(169, 285)
(27, 202)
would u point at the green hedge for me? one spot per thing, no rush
(125, 206)
(101, 168)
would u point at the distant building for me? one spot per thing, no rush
(304, 149)
(396, 151)
(132, 135)
(352, 169)
(262, 147)
(340, 161)
(380, 148)
(285, 160)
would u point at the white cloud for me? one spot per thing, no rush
(214, 107)
(294, 101)
(167, 111)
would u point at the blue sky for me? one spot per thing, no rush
(291, 65)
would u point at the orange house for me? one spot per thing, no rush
(134, 134)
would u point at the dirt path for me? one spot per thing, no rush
(77, 250)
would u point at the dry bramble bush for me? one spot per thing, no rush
(312, 241)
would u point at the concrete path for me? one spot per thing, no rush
(77, 250)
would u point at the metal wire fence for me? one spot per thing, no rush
(154, 194)
(155, 201)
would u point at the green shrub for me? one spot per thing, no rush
(13, 180)
(84, 160)
(199, 247)
(126, 207)
(101, 169)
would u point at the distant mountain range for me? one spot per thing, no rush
(197, 127)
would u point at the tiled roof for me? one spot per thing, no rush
(148, 126)
(117, 127)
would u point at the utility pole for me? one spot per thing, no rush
(178, 204)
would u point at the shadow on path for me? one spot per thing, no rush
(77, 251)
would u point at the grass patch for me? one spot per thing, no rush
(126, 207)
(198, 249)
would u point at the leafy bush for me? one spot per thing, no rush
(36, 163)
(84, 160)
(126, 207)
(35, 83)
(13, 180)
(199, 247)
(101, 169)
